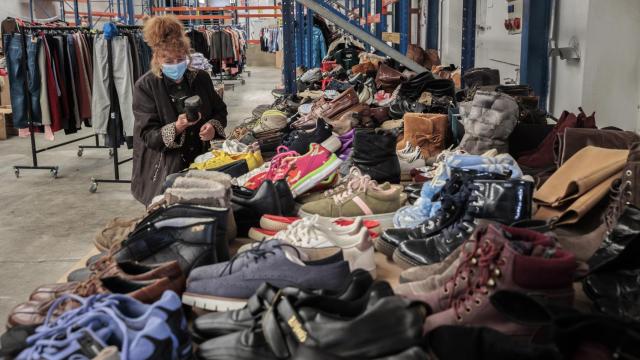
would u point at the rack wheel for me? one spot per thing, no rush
(80, 152)
(110, 152)
(93, 187)
(243, 81)
(17, 172)
(249, 73)
(54, 173)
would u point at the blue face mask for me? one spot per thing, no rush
(174, 71)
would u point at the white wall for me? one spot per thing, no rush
(42, 9)
(451, 31)
(495, 48)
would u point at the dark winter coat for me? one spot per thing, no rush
(157, 151)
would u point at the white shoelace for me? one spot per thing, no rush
(301, 233)
(355, 185)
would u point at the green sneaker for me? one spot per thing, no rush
(361, 197)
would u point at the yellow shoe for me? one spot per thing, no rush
(254, 159)
(211, 160)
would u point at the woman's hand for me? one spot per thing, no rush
(182, 123)
(207, 132)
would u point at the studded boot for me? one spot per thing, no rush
(503, 201)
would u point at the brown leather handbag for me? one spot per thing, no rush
(363, 68)
(573, 140)
(388, 78)
(380, 114)
(346, 100)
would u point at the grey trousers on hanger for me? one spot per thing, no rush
(123, 82)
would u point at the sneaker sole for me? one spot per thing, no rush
(332, 143)
(404, 262)
(272, 225)
(385, 220)
(384, 247)
(212, 303)
(256, 235)
(313, 178)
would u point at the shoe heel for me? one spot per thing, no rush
(332, 144)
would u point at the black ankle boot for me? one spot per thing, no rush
(190, 241)
(503, 201)
(454, 195)
(374, 153)
(621, 247)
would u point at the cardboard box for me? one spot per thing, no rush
(6, 122)
(279, 59)
(5, 95)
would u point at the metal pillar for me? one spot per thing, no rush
(405, 9)
(381, 26)
(534, 53)
(367, 25)
(31, 10)
(132, 12)
(338, 19)
(76, 15)
(299, 35)
(433, 27)
(89, 16)
(289, 51)
(309, 39)
(118, 7)
(468, 35)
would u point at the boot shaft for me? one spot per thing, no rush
(504, 201)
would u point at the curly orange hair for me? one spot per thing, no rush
(165, 35)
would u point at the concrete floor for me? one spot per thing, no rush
(47, 225)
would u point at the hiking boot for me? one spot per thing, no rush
(514, 265)
(469, 268)
(374, 153)
(453, 197)
(362, 197)
(504, 201)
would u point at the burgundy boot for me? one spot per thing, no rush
(487, 236)
(519, 264)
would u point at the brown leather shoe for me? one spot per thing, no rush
(129, 271)
(35, 312)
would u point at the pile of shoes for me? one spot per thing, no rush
(498, 244)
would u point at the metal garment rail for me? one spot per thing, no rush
(115, 118)
(34, 150)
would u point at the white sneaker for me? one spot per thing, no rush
(308, 235)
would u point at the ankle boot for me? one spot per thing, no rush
(504, 201)
(515, 265)
(374, 153)
(426, 131)
(190, 241)
(453, 196)
(466, 271)
(621, 246)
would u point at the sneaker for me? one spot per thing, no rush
(139, 331)
(311, 168)
(278, 169)
(361, 198)
(259, 234)
(283, 265)
(299, 140)
(341, 186)
(277, 223)
(311, 233)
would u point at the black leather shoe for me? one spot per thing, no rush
(312, 353)
(374, 153)
(612, 284)
(234, 169)
(221, 323)
(264, 200)
(190, 241)
(299, 140)
(620, 249)
(336, 326)
(285, 197)
(453, 196)
(503, 201)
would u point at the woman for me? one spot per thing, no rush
(164, 140)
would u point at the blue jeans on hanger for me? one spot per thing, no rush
(17, 75)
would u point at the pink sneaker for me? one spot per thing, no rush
(308, 170)
(278, 169)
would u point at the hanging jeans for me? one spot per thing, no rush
(17, 76)
(123, 83)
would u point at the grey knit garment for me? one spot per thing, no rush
(488, 122)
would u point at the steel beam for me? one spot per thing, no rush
(403, 27)
(381, 26)
(433, 28)
(468, 35)
(309, 38)
(534, 53)
(361, 35)
(299, 32)
(289, 67)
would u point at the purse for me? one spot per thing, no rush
(388, 78)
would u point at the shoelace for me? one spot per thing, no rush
(410, 153)
(617, 196)
(354, 186)
(302, 232)
(256, 253)
(354, 173)
(489, 266)
(462, 225)
(281, 163)
(450, 199)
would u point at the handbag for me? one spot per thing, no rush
(388, 78)
(573, 140)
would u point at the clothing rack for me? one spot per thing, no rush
(34, 150)
(223, 76)
(114, 116)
